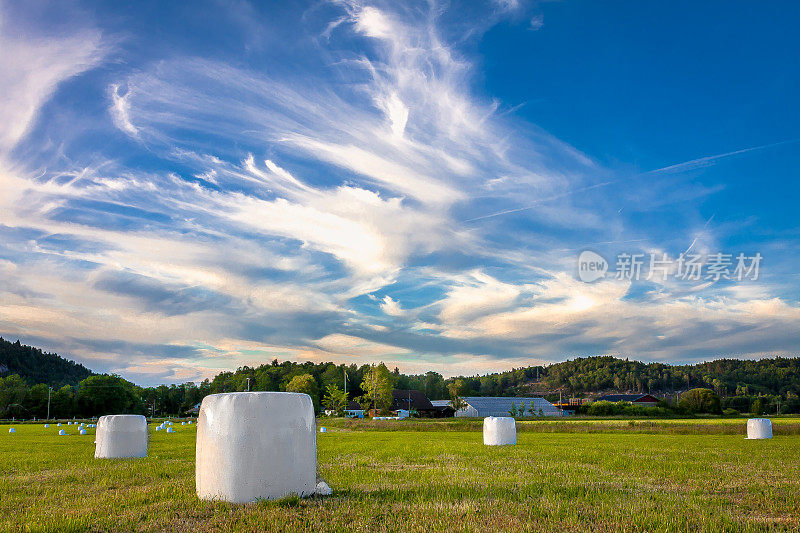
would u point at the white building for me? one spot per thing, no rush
(483, 406)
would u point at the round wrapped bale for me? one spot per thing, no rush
(62, 432)
(47, 425)
(759, 428)
(121, 437)
(12, 430)
(170, 430)
(499, 431)
(255, 445)
(323, 429)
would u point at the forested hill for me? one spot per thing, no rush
(36, 366)
(779, 375)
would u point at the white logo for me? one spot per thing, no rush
(591, 266)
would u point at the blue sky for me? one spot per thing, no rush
(189, 188)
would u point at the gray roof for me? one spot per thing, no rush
(440, 403)
(500, 406)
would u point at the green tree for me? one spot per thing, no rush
(700, 401)
(757, 409)
(335, 399)
(456, 389)
(377, 385)
(513, 410)
(12, 395)
(306, 384)
(108, 394)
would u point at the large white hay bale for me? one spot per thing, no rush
(499, 431)
(255, 445)
(121, 437)
(12, 430)
(759, 428)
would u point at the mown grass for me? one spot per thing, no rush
(610, 479)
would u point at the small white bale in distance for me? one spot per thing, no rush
(82, 431)
(323, 489)
(59, 424)
(759, 428)
(47, 426)
(323, 429)
(62, 432)
(121, 437)
(255, 445)
(12, 430)
(170, 430)
(183, 423)
(499, 431)
(159, 428)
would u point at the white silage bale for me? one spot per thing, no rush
(759, 428)
(159, 428)
(499, 431)
(255, 445)
(47, 426)
(82, 431)
(170, 430)
(62, 432)
(183, 423)
(323, 429)
(12, 430)
(59, 424)
(121, 437)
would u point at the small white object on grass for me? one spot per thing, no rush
(323, 489)
(62, 432)
(47, 425)
(159, 428)
(12, 430)
(759, 428)
(59, 424)
(323, 429)
(255, 445)
(499, 431)
(82, 431)
(121, 437)
(170, 430)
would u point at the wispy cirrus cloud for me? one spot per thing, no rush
(236, 208)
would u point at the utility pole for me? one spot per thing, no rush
(248, 384)
(49, 390)
(345, 381)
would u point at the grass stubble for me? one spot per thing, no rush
(577, 475)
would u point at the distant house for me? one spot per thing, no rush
(354, 410)
(483, 406)
(444, 408)
(645, 400)
(412, 400)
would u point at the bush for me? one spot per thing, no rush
(730, 412)
(700, 401)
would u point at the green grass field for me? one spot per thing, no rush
(676, 475)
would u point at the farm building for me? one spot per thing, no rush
(354, 410)
(443, 408)
(645, 400)
(413, 400)
(483, 406)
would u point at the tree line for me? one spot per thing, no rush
(770, 385)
